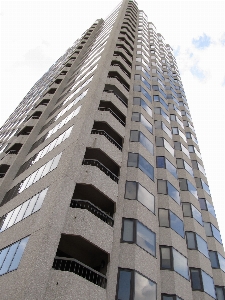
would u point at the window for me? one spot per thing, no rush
(161, 142)
(22, 211)
(139, 77)
(176, 131)
(185, 185)
(220, 292)
(142, 103)
(166, 188)
(189, 135)
(137, 117)
(140, 68)
(205, 205)
(135, 232)
(160, 111)
(201, 281)
(176, 119)
(189, 210)
(162, 126)
(196, 165)
(180, 147)
(135, 191)
(211, 230)
(10, 256)
(170, 297)
(195, 242)
(181, 164)
(192, 149)
(217, 260)
(138, 136)
(202, 185)
(168, 219)
(139, 88)
(132, 286)
(163, 162)
(157, 98)
(138, 161)
(26, 130)
(172, 260)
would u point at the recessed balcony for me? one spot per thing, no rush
(109, 106)
(109, 88)
(77, 255)
(97, 158)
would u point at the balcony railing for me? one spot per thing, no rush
(102, 132)
(127, 87)
(85, 204)
(80, 269)
(96, 163)
(2, 175)
(111, 91)
(111, 112)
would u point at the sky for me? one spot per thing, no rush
(34, 34)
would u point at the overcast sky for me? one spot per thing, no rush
(34, 34)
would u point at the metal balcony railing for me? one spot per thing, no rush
(127, 87)
(102, 132)
(85, 204)
(96, 163)
(80, 269)
(112, 91)
(111, 112)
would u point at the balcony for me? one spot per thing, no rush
(103, 128)
(78, 256)
(109, 106)
(118, 64)
(109, 88)
(14, 149)
(3, 170)
(97, 158)
(123, 56)
(115, 78)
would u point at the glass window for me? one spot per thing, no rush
(160, 111)
(166, 188)
(214, 259)
(205, 205)
(134, 286)
(162, 162)
(137, 160)
(135, 191)
(185, 185)
(195, 242)
(171, 259)
(202, 185)
(168, 219)
(10, 256)
(138, 136)
(220, 292)
(161, 142)
(181, 164)
(170, 297)
(211, 230)
(142, 103)
(189, 210)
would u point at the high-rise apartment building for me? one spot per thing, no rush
(103, 190)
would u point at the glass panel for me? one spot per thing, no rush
(160, 162)
(191, 243)
(46, 168)
(39, 201)
(208, 229)
(3, 254)
(170, 167)
(145, 238)
(162, 186)
(187, 210)
(202, 245)
(135, 117)
(221, 261)
(19, 253)
(146, 167)
(134, 136)
(173, 193)
(147, 125)
(38, 175)
(213, 259)
(192, 189)
(146, 143)
(13, 218)
(22, 211)
(8, 259)
(6, 221)
(146, 198)
(195, 279)
(197, 215)
(220, 293)
(211, 209)
(131, 190)
(216, 234)
(208, 284)
(124, 285)
(132, 160)
(128, 231)
(31, 206)
(180, 264)
(165, 258)
(202, 202)
(145, 289)
(164, 218)
(55, 162)
(176, 224)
